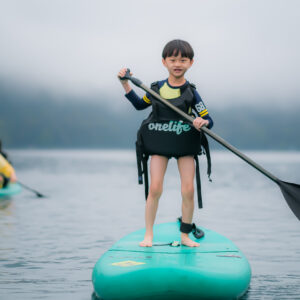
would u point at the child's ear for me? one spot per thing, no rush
(163, 61)
(192, 61)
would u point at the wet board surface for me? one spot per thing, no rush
(215, 270)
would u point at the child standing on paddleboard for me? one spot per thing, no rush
(165, 135)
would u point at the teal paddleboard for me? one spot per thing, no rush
(215, 270)
(10, 190)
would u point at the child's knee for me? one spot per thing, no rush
(187, 190)
(156, 190)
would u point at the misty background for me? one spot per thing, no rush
(59, 61)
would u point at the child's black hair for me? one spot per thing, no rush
(178, 46)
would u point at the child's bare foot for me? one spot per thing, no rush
(185, 240)
(147, 242)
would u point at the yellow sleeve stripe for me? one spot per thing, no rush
(146, 99)
(203, 113)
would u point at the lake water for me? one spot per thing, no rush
(48, 246)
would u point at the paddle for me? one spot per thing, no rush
(32, 190)
(290, 191)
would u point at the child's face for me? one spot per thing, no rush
(177, 65)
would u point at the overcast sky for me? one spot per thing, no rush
(245, 50)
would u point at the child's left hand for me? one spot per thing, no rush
(199, 122)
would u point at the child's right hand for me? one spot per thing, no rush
(124, 82)
(121, 74)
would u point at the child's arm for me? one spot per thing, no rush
(203, 118)
(137, 102)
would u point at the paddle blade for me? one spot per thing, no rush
(39, 195)
(291, 193)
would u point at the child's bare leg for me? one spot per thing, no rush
(158, 166)
(186, 167)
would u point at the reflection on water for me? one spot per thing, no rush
(5, 202)
(48, 246)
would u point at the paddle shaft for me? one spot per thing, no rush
(30, 189)
(214, 136)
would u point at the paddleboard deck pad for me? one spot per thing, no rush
(215, 270)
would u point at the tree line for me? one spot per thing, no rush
(39, 121)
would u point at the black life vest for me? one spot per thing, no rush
(165, 133)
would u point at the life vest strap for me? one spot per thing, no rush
(205, 147)
(145, 171)
(142, 166)
(198, 182)
(139, 156)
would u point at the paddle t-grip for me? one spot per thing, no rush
(127, 76)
